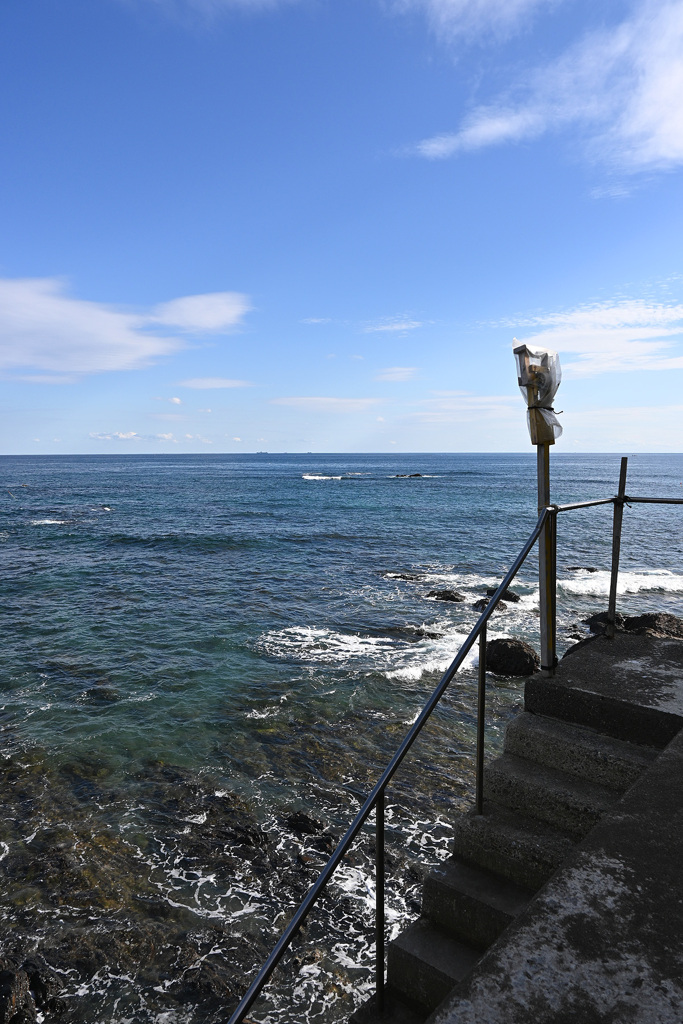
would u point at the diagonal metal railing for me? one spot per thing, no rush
(545, 531)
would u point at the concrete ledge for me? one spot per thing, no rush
(630, 687)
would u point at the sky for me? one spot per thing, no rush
(318, 225)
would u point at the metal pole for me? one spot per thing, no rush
(481, 721)
(546, 572)
(616, 548)
(379, 902)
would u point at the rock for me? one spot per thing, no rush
(303, 825)
(596, 623)
(44, 985)
(508, 657)
(660, 623)
(446, 595)
(508, 595)
(484, 602)
(16, 1001)
(407, 476)
(580, 568)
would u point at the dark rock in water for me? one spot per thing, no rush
(447, 595)
(16, 1002)
(580, 568)
(105, 694)
(407, 476)
(411, 634)
(303, 825)
(410, 577)
(45, 986)
(483, 603)
(507, 657)
(508, 595)
(596, 623)
(658, 623)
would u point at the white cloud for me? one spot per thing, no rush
(397, 373)
(175, 401)
(319, 404)
(117, 435)
(44, 328)
(316, 320)
(214, 313)
(613, 336)
(621, 87)
(206, 383)
(468, 18)
(394, 323)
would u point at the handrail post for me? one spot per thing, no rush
(481, 721)
(379, 902)
(546, 563)
(616, 548)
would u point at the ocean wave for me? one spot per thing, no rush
(589, 584)
(318, 476)
(401, 659)
(49, 522)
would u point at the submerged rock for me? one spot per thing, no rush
(446, 595)
(508, 595)
(16, 1002)
(508, 657)
(303, 825)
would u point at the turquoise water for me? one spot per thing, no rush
(197, 649)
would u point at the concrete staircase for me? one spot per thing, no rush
(554, 781)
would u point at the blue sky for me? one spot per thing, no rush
(317, 225)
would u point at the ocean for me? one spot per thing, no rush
(206, 662)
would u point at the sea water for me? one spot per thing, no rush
(206, 662)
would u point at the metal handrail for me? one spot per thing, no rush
(376, 797)
(375, 800)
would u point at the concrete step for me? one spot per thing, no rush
(521, 849)
(580, 704)
(470, 903)
(561, 800)
(395, 1011)
(425, 962)
(578, 750)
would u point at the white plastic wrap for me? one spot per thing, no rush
(539, 376)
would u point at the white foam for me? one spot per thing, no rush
(315, 476)
(48, 522)
(396, 659)
(585, 583)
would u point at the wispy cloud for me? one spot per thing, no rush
(213, 313)
(397, 373)
(465, 407)
(392, 323)
(207, 383)
(452, 19)
(320, 404)
(130, 435)
(316, 320)
(612, 336)
(44, 328)
(620, 88)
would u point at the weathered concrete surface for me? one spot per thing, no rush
(602, 942)
(630, 686)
